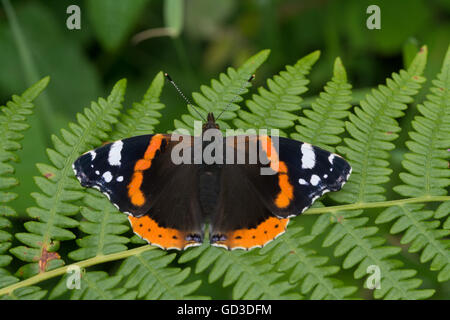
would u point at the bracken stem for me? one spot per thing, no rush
(368, 205)
(82, 264)
(124, 254)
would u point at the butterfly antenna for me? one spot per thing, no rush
(181, 94)
(236, 96)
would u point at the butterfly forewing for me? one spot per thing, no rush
(140, 179)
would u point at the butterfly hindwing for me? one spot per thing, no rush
(242, 220)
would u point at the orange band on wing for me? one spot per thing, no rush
(134, 188)
(256, 237)
(167, 238)
(286, 193)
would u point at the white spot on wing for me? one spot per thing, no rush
(315, 179)
(97, 172)
(93, 155)
(119, 179)
(308, 156)
(330, 158)
(304, 182)
(115, 153)
(107, 176)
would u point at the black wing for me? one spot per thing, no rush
(253, 207)
(139, 177)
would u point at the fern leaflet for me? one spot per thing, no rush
(274, 108)
(323, 123)
(12, 122)
(143, 116)
(428, 174)
(227, 90)
(372, 127)
(291, 255)
(252, 278)
(94, 285)
(59, 187)
(148, 273)
(104, 223)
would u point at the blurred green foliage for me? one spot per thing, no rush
(193, 41)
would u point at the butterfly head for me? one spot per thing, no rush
(210, 123)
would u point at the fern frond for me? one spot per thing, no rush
(98, 285)
(321, 126)
(291, 255)
(372, 127)
(227, 90)
(427, 163)
(252, 277)
(60, 188)
(13, 119)
(323, 123)
(104, 223)
(274, 108)
(143, 116)
(362, 248)
(27, 293)
(94, 285)
(149, 274)
(428, 174)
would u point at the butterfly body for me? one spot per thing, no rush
(171, 194)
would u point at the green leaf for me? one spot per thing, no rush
(222, 93)
(427, 174)
(274, 108)
(27, 293)
(54, 209)
(174, 16)
(252, 278)
(148, 273)
(13, 121)
(323, 123)
(104, 224)
(113, 21)
(292, 255)
(94, 285)
(143, 116)
(372, 128)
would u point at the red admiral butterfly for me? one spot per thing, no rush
(169, 203)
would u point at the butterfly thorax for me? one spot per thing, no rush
(210, 123)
